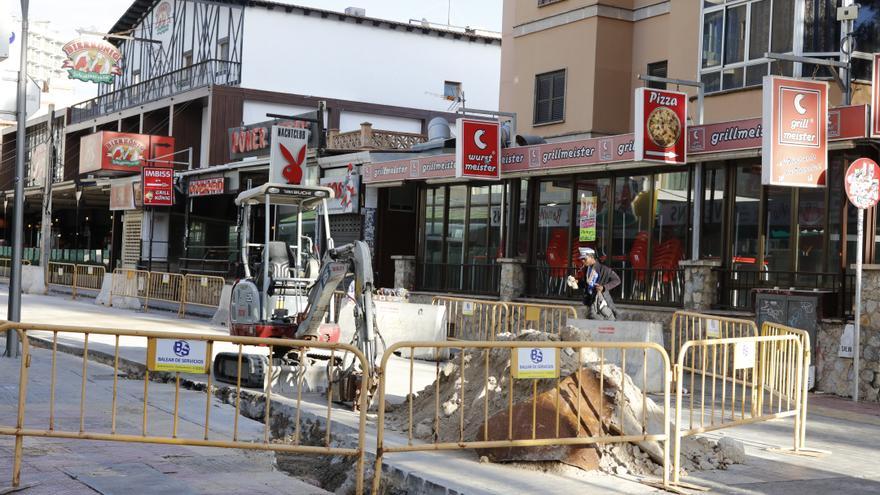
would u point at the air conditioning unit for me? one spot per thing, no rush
(356, 11)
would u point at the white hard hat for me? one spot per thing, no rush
(586, 251)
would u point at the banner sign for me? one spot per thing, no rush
(121, 196)
(661, 126)
(288, 156)
(587, 220)
(795, 144)
(92, 60)
(206, 187)
(177, 355)
(345, 198)
(478, 149)
(255, 139)
(158, 184)
(875, 99)
(106, 152)
(862, 183)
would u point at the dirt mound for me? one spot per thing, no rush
(477, 385)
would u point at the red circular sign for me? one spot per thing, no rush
(862, 183)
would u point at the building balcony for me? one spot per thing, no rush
(209, 72)
(368, 138)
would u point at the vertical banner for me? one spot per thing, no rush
(875, 98)
(158, 184)
(478, 149)
(795, 142)
(287, 158)
(661, 126)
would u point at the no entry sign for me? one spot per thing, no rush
(158, 186)
(862, 183)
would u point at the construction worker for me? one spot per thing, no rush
(598, 281)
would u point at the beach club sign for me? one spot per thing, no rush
(92, 60)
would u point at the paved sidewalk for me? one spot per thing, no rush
(61, 466)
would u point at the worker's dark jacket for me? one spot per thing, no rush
(598, 274)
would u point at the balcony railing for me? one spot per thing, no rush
(479, 279)
(216, 72)
(657, 287)
(736, 286)
(368, 138)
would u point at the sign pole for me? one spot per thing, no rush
(14, 308)
(860, 230)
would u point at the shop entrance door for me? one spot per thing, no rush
(397, 230)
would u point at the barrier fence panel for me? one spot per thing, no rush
(5, 266)
(128, 282)
(550, 318)
(697, 326)
(202, 290)
(89, 277)
(471, 319)
(40, 413)
(770, 329)
(737, 381)
(166, 287)
(62, 275)
(491, 398)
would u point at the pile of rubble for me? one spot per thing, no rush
(473, 394)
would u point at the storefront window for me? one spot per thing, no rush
(836, 201)
(553, 246)
(632, 226)
(478, 226)
(455, 235)
(495, 198)
(745, 217)
(435, 204)
(778, 233)
(811, 230)
(591, 214)
(522, 238)
(712, 224)
(866, 33)
(671, 215)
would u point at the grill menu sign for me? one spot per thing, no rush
(206, 187)
(661, 126)
(795, 141)
(478, 149)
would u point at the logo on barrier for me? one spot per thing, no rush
(535, 362)
(537, 356)
(181, 348)
(467, 308)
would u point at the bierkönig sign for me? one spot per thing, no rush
(795, 142)
(478, 149)
(661, 126)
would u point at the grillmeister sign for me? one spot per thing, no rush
(795, 141)
(478, 149)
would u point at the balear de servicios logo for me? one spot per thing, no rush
(92, 60)
(181, 348)
(537, 356)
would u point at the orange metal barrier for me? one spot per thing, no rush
(62, 275)
(88, 277)
(201, 290)
(550, 318)
(167, 287)
(471, 319)
(132, 283)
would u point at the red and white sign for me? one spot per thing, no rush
(795, 141)
(875, 99)
(661, 126)
(206, 187)
(106, 152)
(478, 149)
(862, 183)
(287, 158)
(158, 184)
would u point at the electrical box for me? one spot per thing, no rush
(849, 13)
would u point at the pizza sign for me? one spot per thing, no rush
(92, 60)
(661, 126)
(478, 149)
(795, 140)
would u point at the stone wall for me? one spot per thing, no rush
(404, 272)
(700, 284)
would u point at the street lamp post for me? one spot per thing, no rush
(14, 310)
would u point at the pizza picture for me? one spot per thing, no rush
(663, 127)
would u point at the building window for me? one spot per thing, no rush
(550, 97)
(451, 90)
(866, 35)
(737, 34)
(187, 59)
(542, 3)
(223, 49)
(657, 69)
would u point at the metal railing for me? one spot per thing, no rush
(131, 283)
(166, 287)
(736, 286)
(771, 329)
(660, 287)
(742, 370)
(687, 326)
(471, 319)
(6, 267)
(550, 318)
(209, 72)
(94, 425)
(581, 388)
(201, 290)
(451, 277)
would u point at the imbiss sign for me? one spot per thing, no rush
(795, 142)
(478, 149)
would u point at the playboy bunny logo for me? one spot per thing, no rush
(293, 170)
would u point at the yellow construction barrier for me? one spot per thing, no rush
(96, 425)
(128, 282)
(62, 275)
(589, 358)
(742, 370)
(697, 326)
(201, 290)
(167, 287)
(550, 318)
(471, 319)
(5, 266)
(768, 329)
(89, 277)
